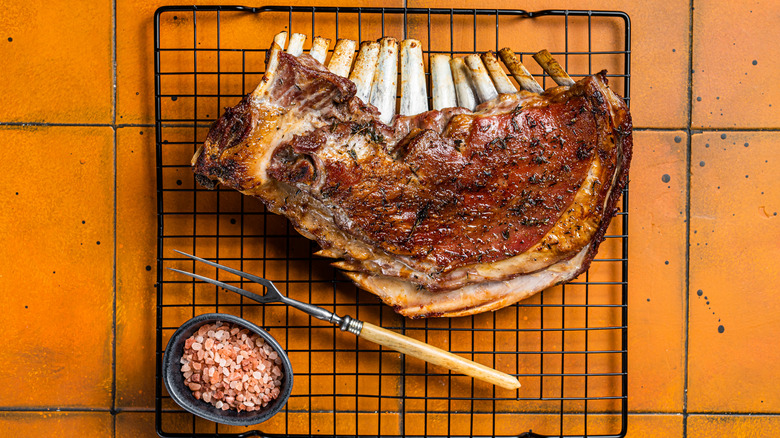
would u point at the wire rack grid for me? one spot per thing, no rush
(567, 345)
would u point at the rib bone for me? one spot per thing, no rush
(384, 87)
(442, 87)
(414, 97)
(479, 76)
(497, 73)
(296, 44)
(519, 72)
(365, 66)
(341, 60)
(280, 38)
(319, 49)
(551, 66)
(462, 80)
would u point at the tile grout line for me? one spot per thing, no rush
(41, 409)
(688, 154)
(90, 125)
(114, 280)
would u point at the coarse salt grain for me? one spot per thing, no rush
(243, 372)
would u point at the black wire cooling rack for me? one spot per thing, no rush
(567, 345)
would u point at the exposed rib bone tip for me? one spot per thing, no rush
(341, 60)
(295, 48)
(519, 72)
(463, 88)
(385, 86)
(365, 67)
(281, 38)
(319, 49)
(414, 97)
(497, 73)
(480, 78)
(551, 66)
(442, 85)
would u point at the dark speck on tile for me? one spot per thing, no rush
(178, 182)
(666, 178)
(174, 98)
(666, 262)
(747, 144)
(673, 50)
(648, 300)
(723, 136)
(747, 176)
(83, 222)
(721, 329)
(141, 132)
(698, 99)
(699, 292)
(701, 163)
(233, 221)
(755, 62)
(10, 39)
(148, 268)
(98, 242)
(677, 139)
(707, 145)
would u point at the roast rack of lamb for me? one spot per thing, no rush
(492, 195)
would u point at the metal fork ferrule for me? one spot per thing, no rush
(348, 324)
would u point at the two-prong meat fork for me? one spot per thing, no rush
(365, 330)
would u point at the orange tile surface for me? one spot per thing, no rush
(657, 251)
(692, 187)
(734, 67)
(135, 425)
(734, 186)
(754, 426)
(59, 424)
(57, 275)
(62, 70)
(136, 270)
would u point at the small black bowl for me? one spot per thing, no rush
(181, 394)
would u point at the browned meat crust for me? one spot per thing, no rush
(517, 194)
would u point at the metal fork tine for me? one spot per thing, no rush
(249, 277)
(250, 295)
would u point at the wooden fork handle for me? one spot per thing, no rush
(436, 356)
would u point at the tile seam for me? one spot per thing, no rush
(686, 288)
(114, 279)
(79, 125)
(551, 413)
